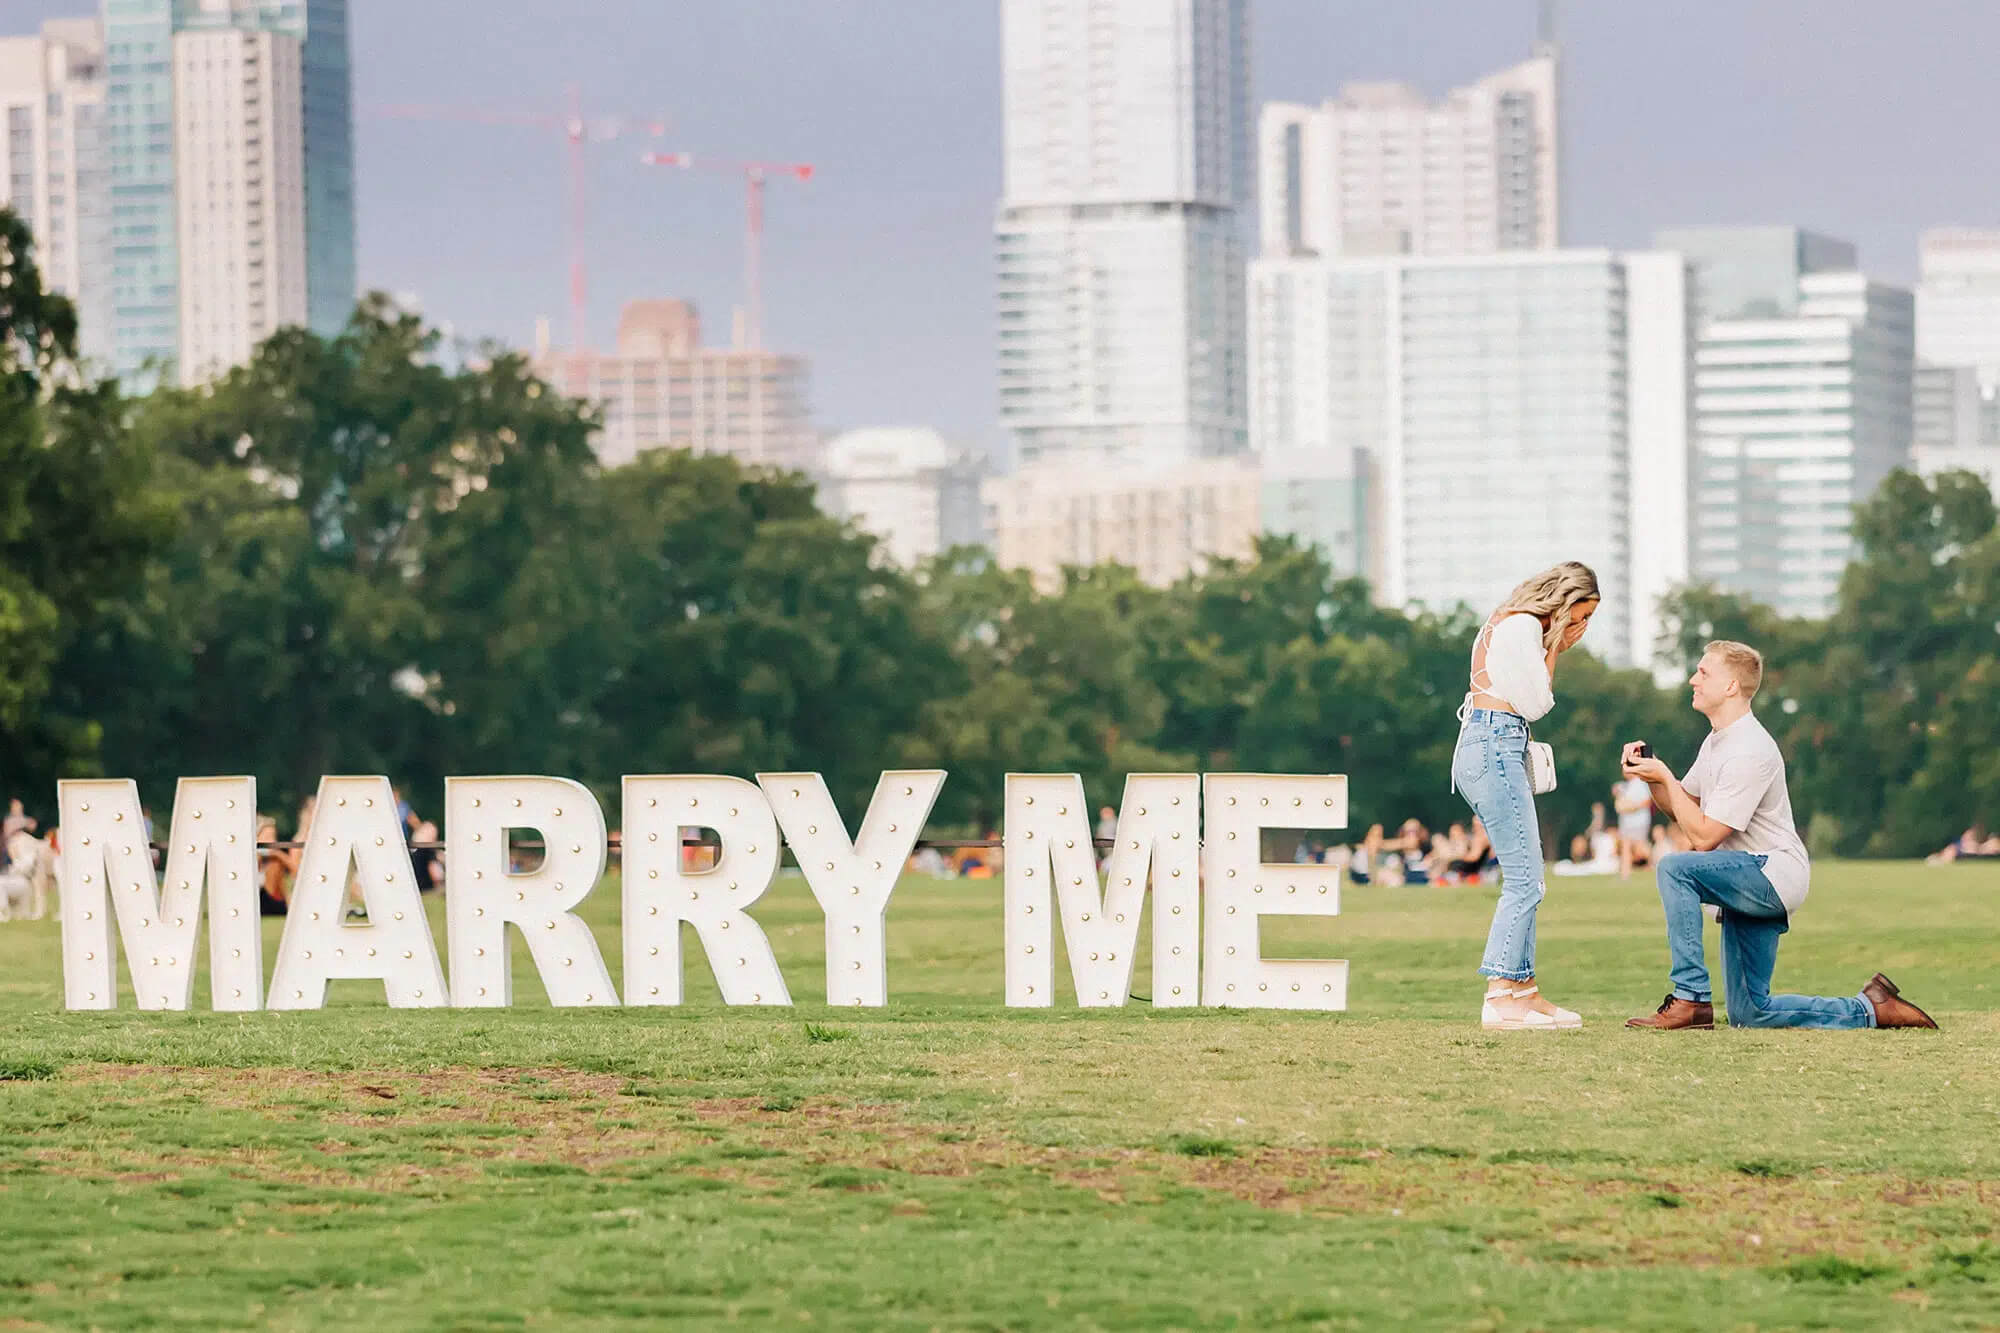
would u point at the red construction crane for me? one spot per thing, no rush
(578, 132)
(755, 174)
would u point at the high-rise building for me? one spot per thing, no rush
(661, 389)
(1510, 411)
(1955, 424)
(909, 486)
(1957, 403)
(1958, 300)
(1164, 522)
(240, 194)
(1119, 245)
(1381, 169)
(301, 146)
(1319, 402)
(1803, 405)
(52, 93)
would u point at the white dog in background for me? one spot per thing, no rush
(24, 886)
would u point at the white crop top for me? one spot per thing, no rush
(1516, 666)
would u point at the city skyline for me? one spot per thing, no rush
(879, 269)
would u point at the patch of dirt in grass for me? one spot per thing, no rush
(1710, 1217)
(545, 1115)
(463, 1124)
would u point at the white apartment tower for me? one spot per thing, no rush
(1958, 300)
(1957, 405)
(52, 95)
(1381, 169)
(1118, 242)
(1803, 405)
(240, 192)
(1489, 416)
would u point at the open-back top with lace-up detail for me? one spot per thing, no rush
(1510, 669)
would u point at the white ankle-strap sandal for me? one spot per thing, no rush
(1561, 1018)
(1531, 1020)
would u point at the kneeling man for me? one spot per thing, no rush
(1748, 863)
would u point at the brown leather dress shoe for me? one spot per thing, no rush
(1891, 1010)
(1674, 1014)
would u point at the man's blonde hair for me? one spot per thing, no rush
(1742, 661)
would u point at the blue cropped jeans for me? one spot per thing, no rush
(1490, 769)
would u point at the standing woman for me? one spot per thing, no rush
(1513, 668)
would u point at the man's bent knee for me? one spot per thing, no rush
(1677, 866)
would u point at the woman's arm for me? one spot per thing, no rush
(1518, 667)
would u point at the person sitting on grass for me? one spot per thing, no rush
(1748, 862)
(1367, 857)
(1971, 845)
(1635, 824)
(1413, 840)
(1475, 858)
(276, 867)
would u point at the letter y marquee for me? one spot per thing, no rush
(853, 880)
(107, 871)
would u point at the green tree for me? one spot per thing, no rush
(354, 510)
(1894, 730)
(77, 522)
(691, 615)
(1047, 682)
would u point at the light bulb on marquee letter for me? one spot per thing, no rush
(853, 880)
(107, 871)
(482, 898)
(355, 826)
(1050, 867)
(1241, 889)
(659, 892)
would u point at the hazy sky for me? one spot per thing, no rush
(1869, 119)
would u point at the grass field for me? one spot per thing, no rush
(948, 1163)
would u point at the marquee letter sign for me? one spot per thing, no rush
(853, 880)
(526, 851)
(107, 871)
(1049, 855)
(355, 831)
(661, 891)
(484, 894)
(1242, 889)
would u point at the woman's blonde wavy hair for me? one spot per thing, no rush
(1552, 596)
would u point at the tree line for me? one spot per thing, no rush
(347, 557)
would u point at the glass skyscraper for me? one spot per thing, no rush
(138, 144)
(144, 279)
(1803, 385)
(1119, 243)
(1488, 415)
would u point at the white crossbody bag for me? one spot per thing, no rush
(1541, 765)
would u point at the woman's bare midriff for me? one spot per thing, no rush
(1492, 704)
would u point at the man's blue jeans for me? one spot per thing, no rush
(1752, 919)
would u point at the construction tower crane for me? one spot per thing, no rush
(755, 175)
(578, 131)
